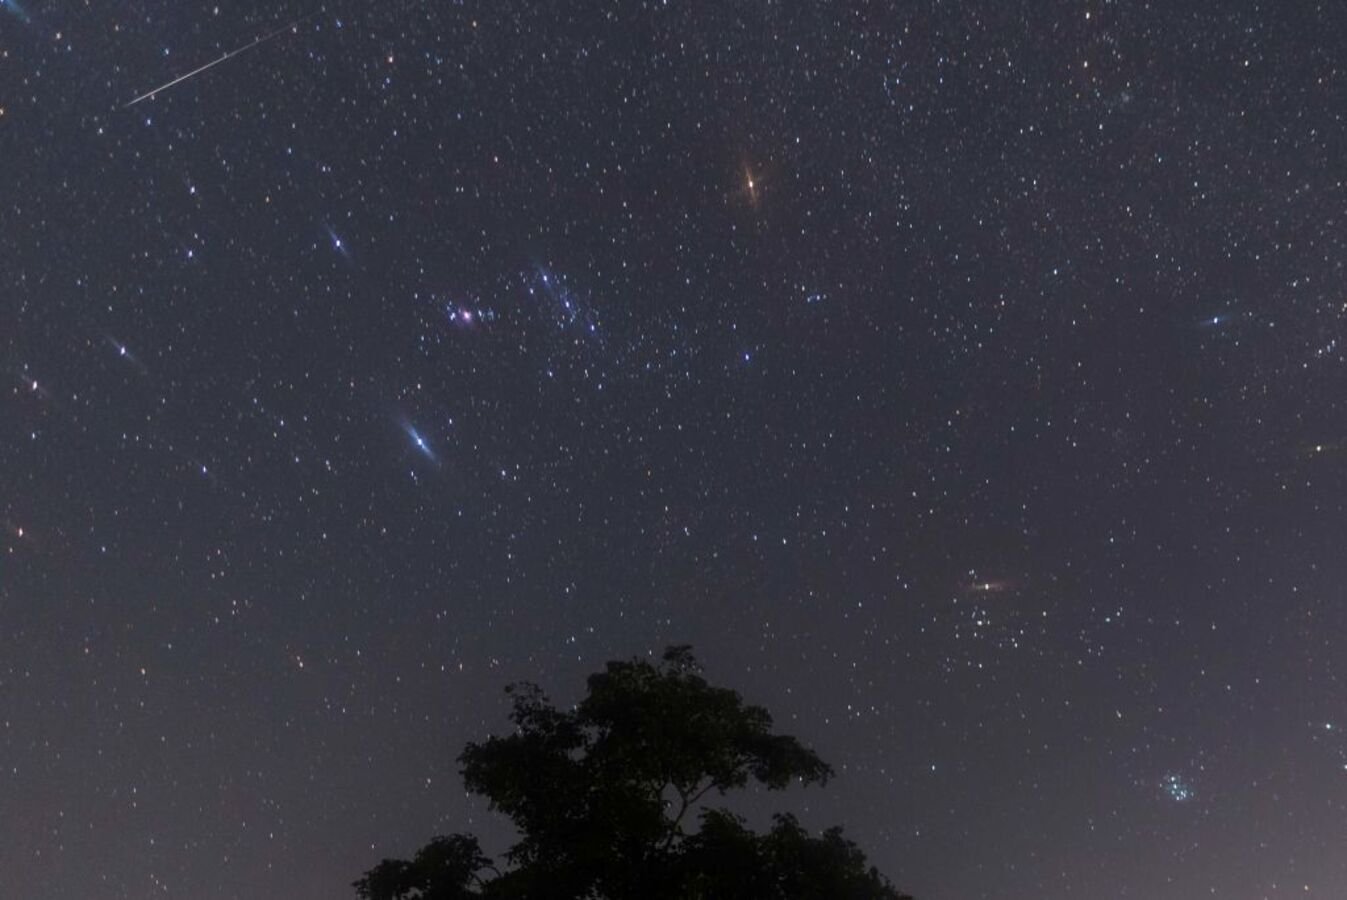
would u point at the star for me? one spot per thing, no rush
(420, 443)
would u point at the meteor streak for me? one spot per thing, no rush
(232, 53)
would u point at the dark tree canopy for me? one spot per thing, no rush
(448, 868)
(602, 796)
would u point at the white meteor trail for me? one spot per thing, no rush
(232, 53)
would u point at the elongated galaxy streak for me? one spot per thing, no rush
(232, 53)
(18, 11)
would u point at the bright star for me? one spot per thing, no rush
(122, 350)
(419, 441)
(751, 186)
(337, 243)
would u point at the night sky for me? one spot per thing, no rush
(966, 382)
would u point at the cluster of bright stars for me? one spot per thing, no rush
(1176, 788)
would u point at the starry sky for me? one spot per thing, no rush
(965, 381)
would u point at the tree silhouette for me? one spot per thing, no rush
(602, 796)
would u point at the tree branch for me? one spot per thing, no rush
(675, 826)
